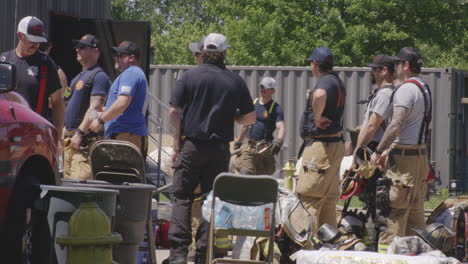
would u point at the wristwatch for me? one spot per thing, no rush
(99, 119)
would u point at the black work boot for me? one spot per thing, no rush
(200, 259)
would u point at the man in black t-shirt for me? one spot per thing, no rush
(89, 91)
(204, 105)
(36, 74)
(257, 154)
(321, 128)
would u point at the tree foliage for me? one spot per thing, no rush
(279, 32)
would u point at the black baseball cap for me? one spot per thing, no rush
(410, 55)
(87, 40)
(197, 47)
(33, 28)
(127, 47)
(383, 60)
(323, 55)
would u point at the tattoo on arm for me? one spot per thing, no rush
(400, 115)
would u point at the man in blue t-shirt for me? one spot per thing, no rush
(124, 118)
(88, 95)
(257, 153)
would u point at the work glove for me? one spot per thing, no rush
(382, 196)
(237, 145)
(276, 146)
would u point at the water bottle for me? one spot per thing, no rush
(224, 218)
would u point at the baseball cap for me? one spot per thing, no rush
(127, 47)
(33, 28)
(410, 55)
(383, 60)
(268, 83)
(87, 40)
(322, 54)
(215, 42)
(196, 47)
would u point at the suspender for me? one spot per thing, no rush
(271, 107)
(42, 88)
(424, 130)
(268, 119)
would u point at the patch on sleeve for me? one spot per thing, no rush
(125, 89)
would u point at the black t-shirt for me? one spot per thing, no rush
(334, 106)
(267, 117)
(210, 95)
(28, 78)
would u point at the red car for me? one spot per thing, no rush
(28, 157)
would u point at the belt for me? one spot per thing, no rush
(408, 152)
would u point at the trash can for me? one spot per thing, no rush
(63, 201)
(130, 218)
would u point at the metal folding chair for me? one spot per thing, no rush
(243, 190)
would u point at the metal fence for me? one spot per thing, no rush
(448, 87)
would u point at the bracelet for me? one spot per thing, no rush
(80, 132)
(100, 120)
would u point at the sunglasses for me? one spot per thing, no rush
(266, 88)
(374, 69)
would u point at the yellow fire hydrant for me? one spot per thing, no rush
(89, 238)
(288, 172)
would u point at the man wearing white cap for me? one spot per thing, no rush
(257, 153)
(204, 105)
(36, 74)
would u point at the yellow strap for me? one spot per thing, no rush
(383, 248)
(271, 107)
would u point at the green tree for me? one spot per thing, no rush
(279, 32)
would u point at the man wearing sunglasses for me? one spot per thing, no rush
(124, 118)
(404, 144)
(88, 95)
(257, 152)
(36, 74)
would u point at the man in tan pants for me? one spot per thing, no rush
(403, 149)
(321, 130)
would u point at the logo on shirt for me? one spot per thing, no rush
(265, 114)
(79, 85)
(3, 58)
(33, 71)
(125, 89)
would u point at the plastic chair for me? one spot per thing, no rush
(243, 190)
(117, 161)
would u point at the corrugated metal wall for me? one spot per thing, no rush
(293, 82)
(11, 12)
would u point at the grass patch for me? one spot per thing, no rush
(437, 198)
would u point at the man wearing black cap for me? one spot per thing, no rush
(88, 95)
(376, 119)
(321, 130)
(204, 105)
(376, 116)
(36, 74)
(404, 143)
(124, 118)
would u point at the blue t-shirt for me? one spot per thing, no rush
(267, 117)
(80, 99)
(130, 82)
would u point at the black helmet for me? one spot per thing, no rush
(328, 233)
(437, 236)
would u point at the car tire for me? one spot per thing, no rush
(27, 232)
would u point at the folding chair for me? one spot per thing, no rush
(117, 161)
(243, 190)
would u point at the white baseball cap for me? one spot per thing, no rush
(215, 42)
(268, 83)
(33, 28)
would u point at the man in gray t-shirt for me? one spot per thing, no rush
(404, 143)
(376, 116)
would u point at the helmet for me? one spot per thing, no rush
(365, 168)
(328, 233)
(437, 236)
(351, 184)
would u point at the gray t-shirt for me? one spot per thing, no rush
(408, 95)
(379, 104)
